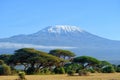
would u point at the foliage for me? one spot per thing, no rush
(30, 70)
(5, 69)
(86, 61)
(58, 61)
(34, 60)
(22, 76)
(1, 62)
(104, 64)
(83, 72)
(46, 71)
(108, 69)
(62, 53)
(115, 67)
(5, 57)
(91, 70)
(59, 70)
(72, 66)
(118, 68)
(71, 72)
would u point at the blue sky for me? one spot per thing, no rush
(100, 17)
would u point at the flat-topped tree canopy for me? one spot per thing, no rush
(62, 53)
(86, 61)
(30, 56)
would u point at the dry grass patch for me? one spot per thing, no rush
(95, 76)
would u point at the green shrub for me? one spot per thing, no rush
(72, 66)
(30, 70)
(91, 70)
(62, 70)
(47, 71)
(71, 73)
(5, 69)
(108, 69)
(22, 76)
(1, 62)
(59, 70)
(118, 69)
(83, 73)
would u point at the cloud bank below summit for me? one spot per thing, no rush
(18, 45)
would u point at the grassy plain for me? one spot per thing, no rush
(94, 76)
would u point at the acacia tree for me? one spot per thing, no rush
(65, 54)
(21, 56)
(106, 67)
(34, 59)
(104, 64)
(86, 61)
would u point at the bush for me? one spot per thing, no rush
(30, 70)
(1, 62)
(71, 73)
(62, 70)
(72, 66)
(22, 76)
(83, 73)
(108, 69)
(118, 69)
(59, 70)
(91, 70)
(45, 71)
(5, 69)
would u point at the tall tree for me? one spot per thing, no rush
(65, 54)
(86, 61)
(30, 57)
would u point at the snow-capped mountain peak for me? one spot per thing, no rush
(64, 37)
(62, 28)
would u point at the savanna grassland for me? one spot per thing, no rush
(53, 63)
(93, 76)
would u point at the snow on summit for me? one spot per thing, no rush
(62, 28)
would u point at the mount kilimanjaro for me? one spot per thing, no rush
(65, 37)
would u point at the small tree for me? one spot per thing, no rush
(22, 76)
(86, 61)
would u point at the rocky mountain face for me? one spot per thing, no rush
(66, 37)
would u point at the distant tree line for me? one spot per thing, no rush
(57, 61)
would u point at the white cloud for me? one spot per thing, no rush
(18, 45)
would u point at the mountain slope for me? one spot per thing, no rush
(84, 43)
